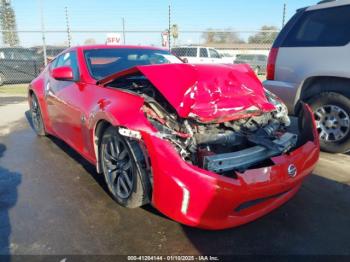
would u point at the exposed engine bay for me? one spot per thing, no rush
(216, 146)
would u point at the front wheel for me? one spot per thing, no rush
(121, 161)
(332, 116)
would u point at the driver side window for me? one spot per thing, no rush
(67, 59)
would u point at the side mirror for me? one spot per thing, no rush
(63, 73)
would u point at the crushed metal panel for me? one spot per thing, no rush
(208, 93)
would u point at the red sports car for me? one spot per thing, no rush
(204, 144)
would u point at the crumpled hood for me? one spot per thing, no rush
(208, 93)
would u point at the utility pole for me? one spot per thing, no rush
(169, 38)
(43, 31)
(123, 23)
(284, 14)
(68, 28)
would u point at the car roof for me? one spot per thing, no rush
(90, 47)
(328, 4)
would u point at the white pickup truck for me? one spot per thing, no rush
(198, 54)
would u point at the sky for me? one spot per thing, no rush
(151, 15)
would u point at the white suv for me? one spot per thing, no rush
(197, 54)
(310, 61)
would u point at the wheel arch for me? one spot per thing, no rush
(138, 149)
(317, 84)
(30, 92)
(98, 131)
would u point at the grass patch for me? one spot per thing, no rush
(14, 89)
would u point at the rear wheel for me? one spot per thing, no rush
(37, 120)
(332, 115)
(121, 163)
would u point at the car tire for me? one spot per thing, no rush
(332, 115)
(2, 79)
(123, 167)
(36, 116)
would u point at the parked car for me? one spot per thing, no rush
(257, 62)
(204, 144)
(51, 51)
(197, 54)
(310, 62)
(18, 65)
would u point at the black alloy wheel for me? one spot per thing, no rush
(125, 178)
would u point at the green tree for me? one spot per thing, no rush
(266, 36)
(8, 24)
(90, 41)
(217, 36)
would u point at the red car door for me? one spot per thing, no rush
(64, 100)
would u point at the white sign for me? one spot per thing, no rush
(113, 39)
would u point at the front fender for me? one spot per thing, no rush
(37, 87)
(123, 111)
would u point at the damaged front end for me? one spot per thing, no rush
(218, 118)
(234, 145)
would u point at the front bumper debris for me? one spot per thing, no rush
(247, 157)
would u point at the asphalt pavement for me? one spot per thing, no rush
(53, 202)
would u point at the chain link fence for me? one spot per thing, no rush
(22, 62)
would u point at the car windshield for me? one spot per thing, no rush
(104, 62)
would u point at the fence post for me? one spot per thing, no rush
(169, 37)
(68, 28)
(43, 31)
(284, 15)
(123, 24)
